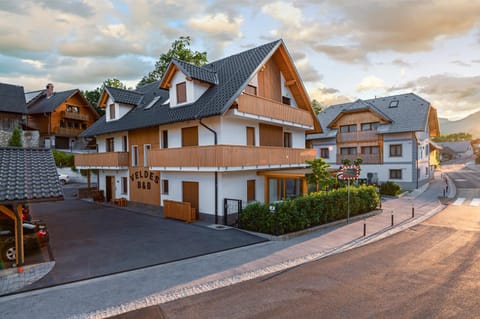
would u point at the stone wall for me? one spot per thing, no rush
(30, 139)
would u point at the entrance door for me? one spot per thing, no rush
(109, 187)
(190, 194)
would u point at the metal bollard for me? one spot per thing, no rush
(392, 218)
(413, 211)
(364, 227)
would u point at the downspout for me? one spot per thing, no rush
(216, 173)
(416, 153)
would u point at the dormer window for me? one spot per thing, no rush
(111, 108)
(181, 92)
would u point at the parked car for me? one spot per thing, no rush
(35, 235)
(63, 178)
(25, 213)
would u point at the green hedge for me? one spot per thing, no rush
(390, 188)
(307, 211)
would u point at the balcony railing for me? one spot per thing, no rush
(257, 105)
(359, 136)
(367, 158)
(75, 116)
(68, 131)
(227, 156)
(109, 159)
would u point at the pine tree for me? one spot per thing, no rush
(16, 138)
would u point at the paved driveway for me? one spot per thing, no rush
(89, 240)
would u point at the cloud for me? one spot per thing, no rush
(370, 82)
(349, 54)
(307, 71)
(461, 63)
(328, 96)
(401, 63)
(405, 26)
(453, 96)
(285, 12)
(76, 7)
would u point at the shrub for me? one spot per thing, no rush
(63, 159)
(309, 210)
(390, 188)
(477, 160)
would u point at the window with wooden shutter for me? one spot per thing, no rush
(251, 136)
(190, 136)
(181, 92)
(112, 111)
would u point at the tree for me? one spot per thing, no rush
(320, 176)
(454, 137)
(16, 138)
(317, 107)
(180, 49)
(94, 95)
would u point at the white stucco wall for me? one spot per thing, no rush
(118, 141)
(118, 182)
(120, 110)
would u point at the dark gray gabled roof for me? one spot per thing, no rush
(43, 104)
(410, 115)
(360, 105)
(457, 147)
(233, 72)
(28, 174)
(124, 96)
(12, 98)
(204, 73)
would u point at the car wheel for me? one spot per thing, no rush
(8, 253)
(62, 182)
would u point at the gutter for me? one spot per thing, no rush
(215, 141)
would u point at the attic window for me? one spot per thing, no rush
(393, 104)
(181, 92)
(155, 100)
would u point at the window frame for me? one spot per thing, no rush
(165, 186)
(287, 139)
(250, 89)
(146, 148)
(395, 174)
(134, 155)
(396, 150)
(124, 188)
(164, 138)
(110, 144)
(348, 128)
(183, 87)
(323, 151)
(111, 111)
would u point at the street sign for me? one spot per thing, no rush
(349, 172)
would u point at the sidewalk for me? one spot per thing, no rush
(160, 284)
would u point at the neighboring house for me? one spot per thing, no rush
(391, 134)
(13, 113)
(455, 150)
(234, 128)
(59, 116)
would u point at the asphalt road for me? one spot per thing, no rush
(90, 240)
(429, 271)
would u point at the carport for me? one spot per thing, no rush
(26, 175)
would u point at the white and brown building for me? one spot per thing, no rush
(234, 128)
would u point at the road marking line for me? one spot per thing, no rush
(475, 202)
(460, 180)
(459, 201)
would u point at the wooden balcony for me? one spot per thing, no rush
(228, 156)
(68, 131)
(360, 136)
(75, 116)
(367, 158)
(260, 106)
(102, 160)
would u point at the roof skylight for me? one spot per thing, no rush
(155, 100)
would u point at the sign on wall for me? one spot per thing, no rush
(144, 179)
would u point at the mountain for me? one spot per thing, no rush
(470, 124)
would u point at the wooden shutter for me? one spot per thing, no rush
(250, 190)
(190, 136)
(181, 92)
(271, 135)
(251, 136)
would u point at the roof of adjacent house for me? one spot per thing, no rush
(233, 74)
(457, 147)
(409, 115)
(12, 98)
(42, 104)
(28, 174)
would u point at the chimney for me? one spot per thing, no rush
(49, 90)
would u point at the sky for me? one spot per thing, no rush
(343, 49)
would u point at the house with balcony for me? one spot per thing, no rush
(392, 135)
(232, 129)
(60, 117)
